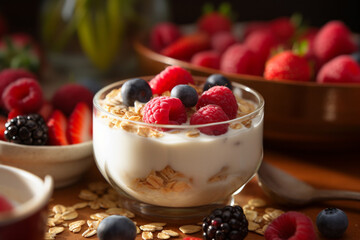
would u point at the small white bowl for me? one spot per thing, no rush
(65, 164)
(30, 196)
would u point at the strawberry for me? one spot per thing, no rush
(238, 58)
(261, 43)
(185, 47)
(287, 66)
(46, 110)
(283, 28)
(163, 34)
(57, 125)
(332, 40)
(255, 26)
(3, 120)
(80, 124)
(342, 69)
(210, 59)
(214, 22)
(222, 40)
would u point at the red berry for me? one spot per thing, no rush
(283, 28)
(210, 114)
(342, 69)
(3, 120)
(10, 75)
(46, 110)
(238, 58)
(186, 46)
(67, 96)
(24, 94)
(164, 110)
(222, 40)
(214, 22)
(210, 59)
(163, 34)
(261, 43)
(255, 26)
(169, 78)
(287, 66)
(5, 205)
(14, 113)
(291, 225)
(333, 39)
(80, 124)
(57, 125)
(221, 96)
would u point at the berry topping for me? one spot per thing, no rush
(332, 222)
(68, 95)
(57, 125)
(136, 89)
(163, 34)
(225, 223)
(10, 75)
(3, 121)
(27, 129)
(186, 94)
(222, 96)
(5, 205)
(169, 78)
(164, 110)
(341, 69)
(24, 94)
(291, 225)
(217, 80)
(80, 124)
(116, 227)
(210, 114)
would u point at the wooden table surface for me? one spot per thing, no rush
(331, 170)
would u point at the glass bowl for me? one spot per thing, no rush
(175, 171)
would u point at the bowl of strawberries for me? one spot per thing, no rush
(309, 77)
(45, 137)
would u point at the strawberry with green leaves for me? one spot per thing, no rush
(214, 21)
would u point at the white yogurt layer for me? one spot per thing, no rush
(124, 157)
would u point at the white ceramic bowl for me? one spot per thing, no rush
(30, 195)
(65, 164)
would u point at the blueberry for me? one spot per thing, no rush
(186, 94)
(217, 80)
(356, 57)
(116, 227)
(332, 222)
(136, 89)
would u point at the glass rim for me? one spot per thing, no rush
(259, 106)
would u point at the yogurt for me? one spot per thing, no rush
(181, 167)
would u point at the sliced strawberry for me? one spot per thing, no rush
(80, 124)
(3, 120)
(46, 110)
(57, 125)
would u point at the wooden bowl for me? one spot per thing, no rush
(298, 115)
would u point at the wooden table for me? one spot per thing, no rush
(331, 170)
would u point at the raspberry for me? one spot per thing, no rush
(210, 59)
(291, 225)
(163, 34)
(164, 110)
(169, 78)
(25, 94)
(209, 114)
(221, 96)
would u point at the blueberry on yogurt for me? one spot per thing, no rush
(136, 89)
(116, 227)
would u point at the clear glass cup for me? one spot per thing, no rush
(175, 171)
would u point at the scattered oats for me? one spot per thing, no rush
(105, 203)
(87, 195)
(59, 208)
(98, 187)
(110, 197)
(257, 202)
(253, 226)
(162, 235)
(137, 230)
(120, 211)
(89, 232)
(269, 210)
(49, 236)
(276, 213)
(189, 229)
(250, 215)
(267, 217)
(148, 228)
(99, 216)
(147, 235)
(52, 222)
(171, 233)
(93, 224)
(258, 219)
(94, 205)
(158, 224)
(65, 224)
(75, 227)
(70, 215)
(248, 207)
(80, 205)
(56, 230)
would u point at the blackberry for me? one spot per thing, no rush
(27, 129)
(225, 223)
